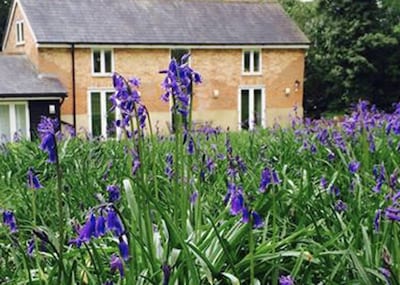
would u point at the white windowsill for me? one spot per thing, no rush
(102, 74)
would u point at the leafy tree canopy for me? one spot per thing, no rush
(354, 52)
(4, 8)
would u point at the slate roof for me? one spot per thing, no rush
(171, 22)
(18, 78)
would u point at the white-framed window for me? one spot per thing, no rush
(102, 62)
(251, 107)
(101, 119)
(20, 32)
(251, 62)
(14, 120)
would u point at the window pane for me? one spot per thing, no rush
(20, 119)
(244, 109)
(110, 116)
(96, 61)
(256, 67)
(95, 113)
(22, 31)
(107, 61)
(5, 121)
(178, 53)
(257, 107)
(246, 63)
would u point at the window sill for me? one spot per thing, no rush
(108, 75)
(18, 44)
(251, 73)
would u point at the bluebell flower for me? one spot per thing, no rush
(377, 220)
(100, 228)
(245, 215)
(257, 220)
(340, 206)
(169, 171)
(10, 221)
(30, 247)
(88, 230)
(266, 178)
(166, 269)
(386, 273)
(47, 129)
(354, 166)
(114, 223)
(113, 193)
(392, 214)
(33, 181)
(323, 182)
(334, 190)
(237, 203)
(193, 197)
(117, 264)
(123, 248)
(177, 84)
(286, 280)
(190, 146)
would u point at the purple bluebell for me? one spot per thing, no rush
(117, 264)
(286, 280)
(386, 274)
(393, 179)
(30, 247)
(392, 213)
(177, 84)
(169, 171)
(142, 115)
(210, 165)
(190, 146)
(323, 182)
(237, 203)
(47, 129)
(231, 188)
(123, 248)
(377, 220)
(371, 141)
(114, 223)
(135, 162)
(340, 206)
(313, 149)
(241, 164)
(334, 190)
(10, 221)
(331, 156)
(193, 197)
(257, 220)
(88, 230)
(266, 179)
(166, 269)
(354, 166)
(100, 228)
(33, 181)
(245, 215)
(114, 193)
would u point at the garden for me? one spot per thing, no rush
(316, 202)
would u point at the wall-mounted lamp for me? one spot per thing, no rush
(52, 109)
(296, 85)
(287, 91)
(215, 93)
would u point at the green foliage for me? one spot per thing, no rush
(4, 10)
(353, 54)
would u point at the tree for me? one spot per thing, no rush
(353, 54)
(4, 10)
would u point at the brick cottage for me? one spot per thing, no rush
(249, 53)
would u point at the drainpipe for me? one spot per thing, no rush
(73, 86)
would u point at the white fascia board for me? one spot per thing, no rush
(17, 99)
(140, 46)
